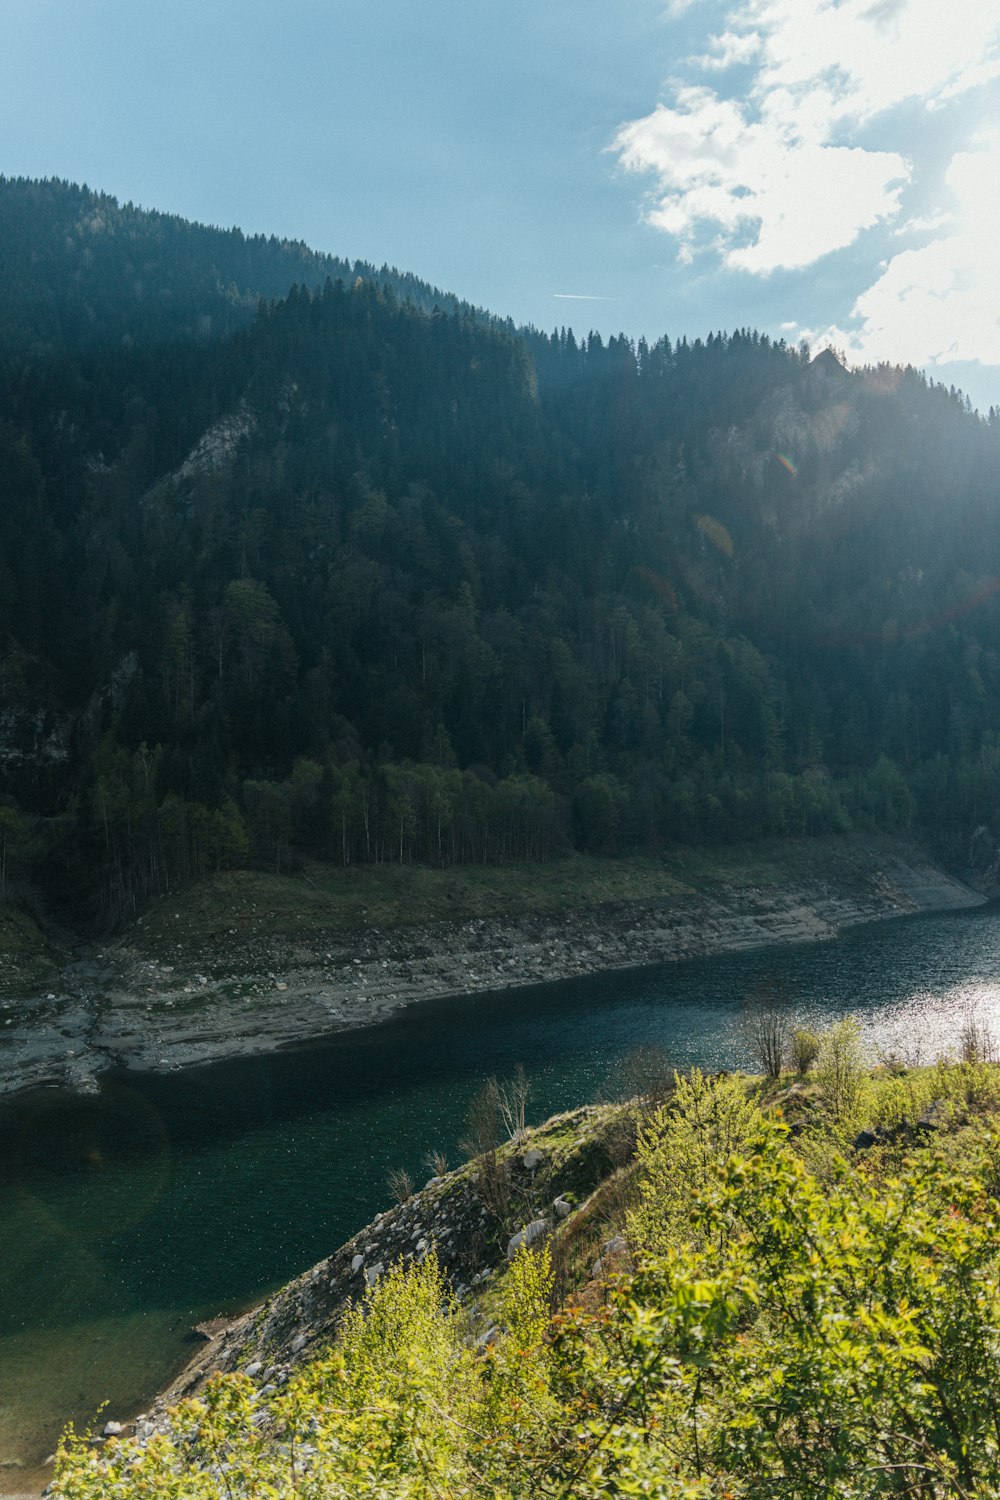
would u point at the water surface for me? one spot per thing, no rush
(128, 1217)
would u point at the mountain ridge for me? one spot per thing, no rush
(365, 580)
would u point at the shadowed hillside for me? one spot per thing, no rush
(361, 574)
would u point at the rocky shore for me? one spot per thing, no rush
(554, 1177)
(149, 1003)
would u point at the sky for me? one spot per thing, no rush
(813, 169)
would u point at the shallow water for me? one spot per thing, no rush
(127, 1217)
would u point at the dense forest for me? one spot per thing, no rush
(303, 557)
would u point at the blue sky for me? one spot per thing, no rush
(820, 168)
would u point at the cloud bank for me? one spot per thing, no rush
(805, 124)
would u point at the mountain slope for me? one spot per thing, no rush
(80, 270)
(371, 582)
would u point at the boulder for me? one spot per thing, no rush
(611, 1252)
(561, 1208)
(532, 1160)
(210, 1329)
(530, 1235)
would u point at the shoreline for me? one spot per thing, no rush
(127, 1006)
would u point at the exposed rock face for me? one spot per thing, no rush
(32, 738)
(217, 446)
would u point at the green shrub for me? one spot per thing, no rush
(842, 1072)
(795, 1339)
(681, 1148)
(805, 1047)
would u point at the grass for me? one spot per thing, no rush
(238, 905)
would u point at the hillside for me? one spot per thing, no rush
(362, 575)
(726, 1287)
(83, 271)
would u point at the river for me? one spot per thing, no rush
(129, 1216)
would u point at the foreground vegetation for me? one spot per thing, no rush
(797, 1296)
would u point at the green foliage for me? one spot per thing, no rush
(517, 1400)
(805, 1048)
(804, 1340)
(842, 1072)
(680, 1147)
(401, 1346)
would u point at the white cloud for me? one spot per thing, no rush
(940, 302)
(727, 50)
(779, 200)
(776, 179)
(873, 56)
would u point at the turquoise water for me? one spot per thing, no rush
(127, 1217)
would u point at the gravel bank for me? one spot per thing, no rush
(203, 999)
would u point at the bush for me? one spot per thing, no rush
(400, 1184)
(976, 1041)
(813, 1343)
(766, 1032)
(680, 1148)
(765, 1023)
(842, 1070)
(805, 1049)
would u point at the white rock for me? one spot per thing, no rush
(254, 1368)
(532, 1159)
(530, 1235)
(298, 1342)
(373, 1273)
(112, 1429)
(357, 1262)
(561, 1208)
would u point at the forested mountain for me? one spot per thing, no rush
(352, 569)
(79, 271)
